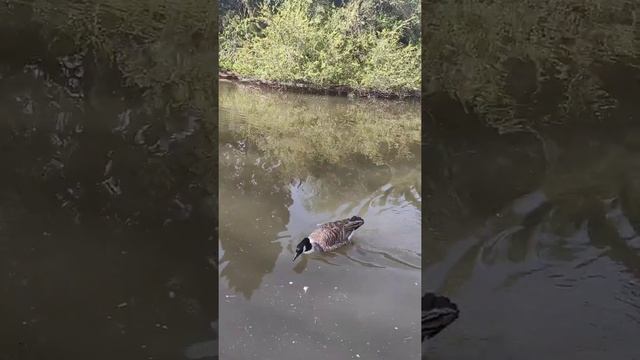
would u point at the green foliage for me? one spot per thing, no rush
(501, 56)
(303, 41)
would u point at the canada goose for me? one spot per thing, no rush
(329, 236)
(438, 312)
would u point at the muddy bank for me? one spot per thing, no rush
(308, 88)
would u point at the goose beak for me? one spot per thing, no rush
(295, 257)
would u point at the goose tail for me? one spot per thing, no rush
(438, 312)
(353, 223)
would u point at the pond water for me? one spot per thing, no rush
(534, 233)
(535, 237)
(288, 162)
(107, 214)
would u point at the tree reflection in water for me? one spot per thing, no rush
(107, 215)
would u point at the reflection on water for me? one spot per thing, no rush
(288, 162)
(533, 234)
(106, 208)
(537, 242)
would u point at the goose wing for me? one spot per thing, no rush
(438, 312)
(334, 234)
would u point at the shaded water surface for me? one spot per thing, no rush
(288, 162)
(534, 233)
(537, 238)
(106, 208)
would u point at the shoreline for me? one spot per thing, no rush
(307, 88)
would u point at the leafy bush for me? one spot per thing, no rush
(303, 41)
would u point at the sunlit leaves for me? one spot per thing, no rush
(302, 41)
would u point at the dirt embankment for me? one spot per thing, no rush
(304, 87)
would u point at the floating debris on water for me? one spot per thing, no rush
(121, 305)
(305, 289)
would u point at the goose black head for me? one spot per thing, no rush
(303, 246)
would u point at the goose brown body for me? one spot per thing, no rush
(329, 236)
(332, 235)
